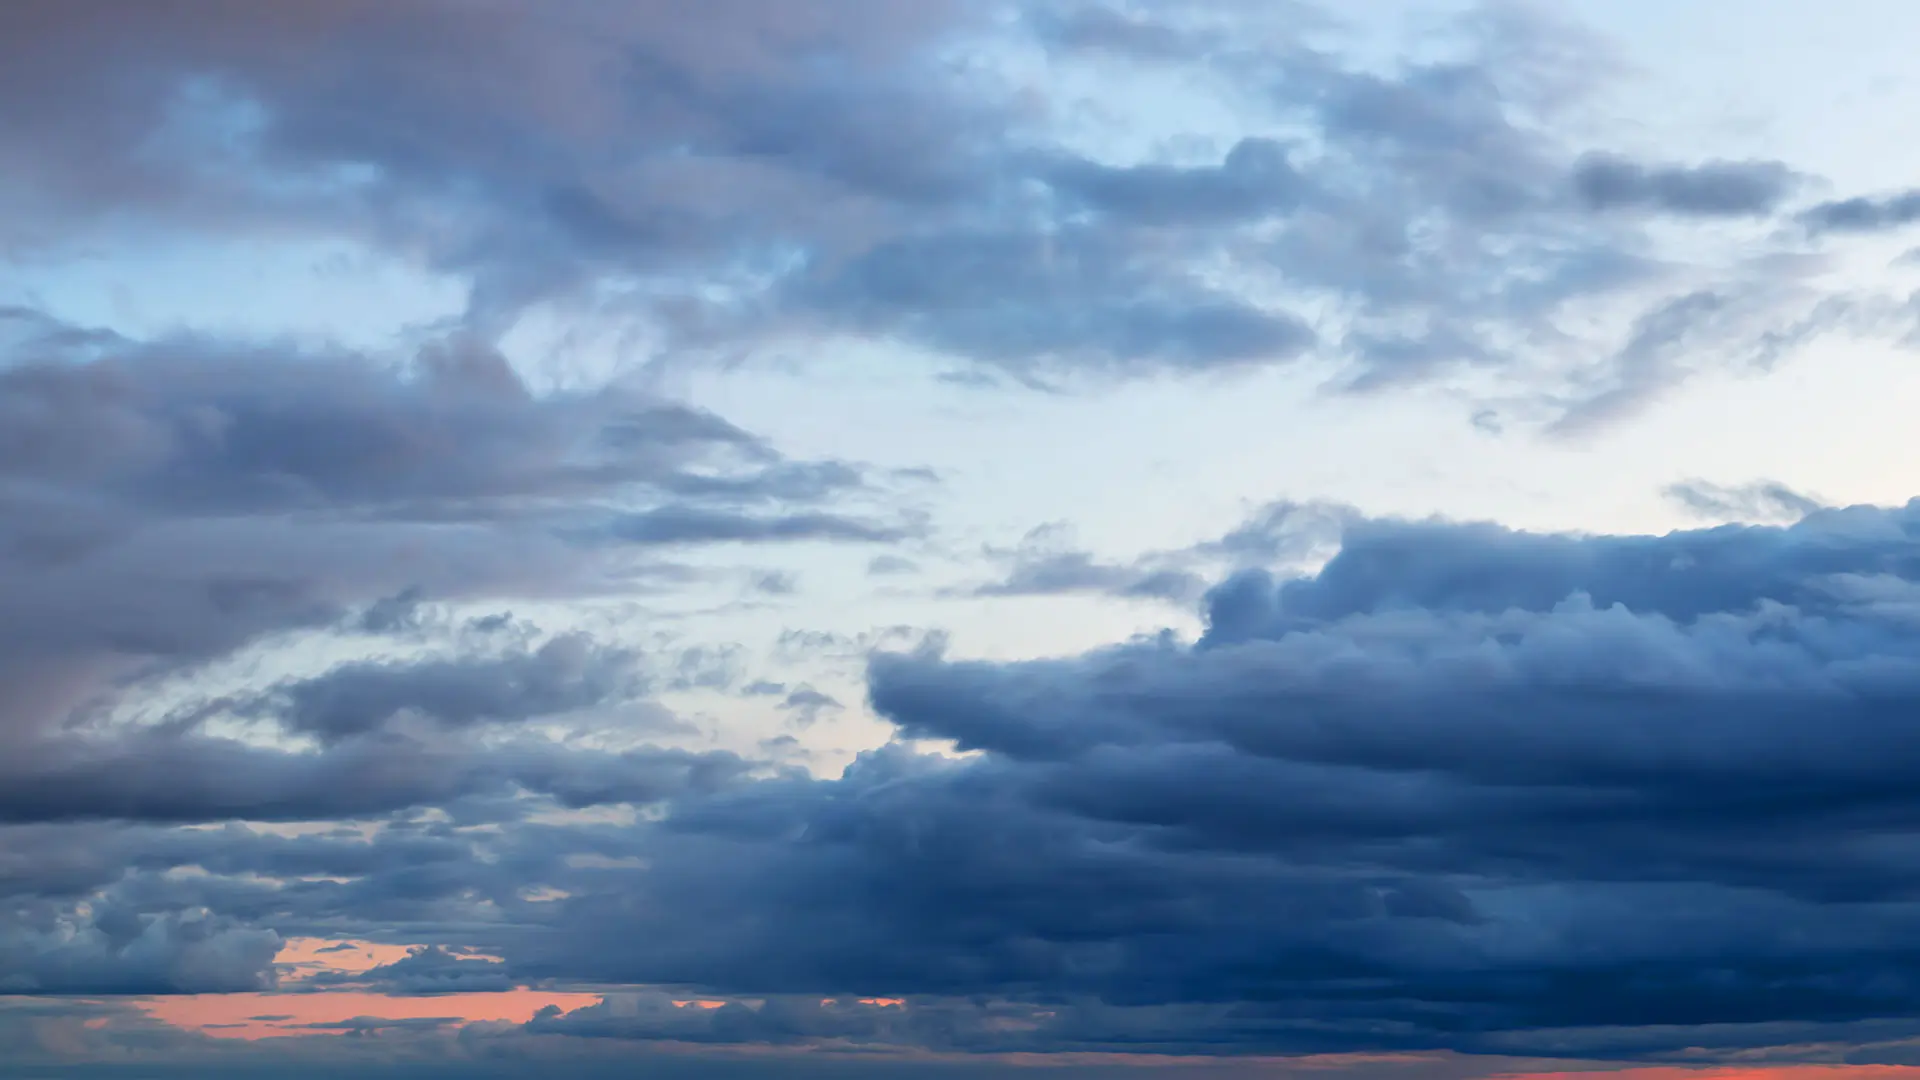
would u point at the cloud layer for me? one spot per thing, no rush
(406, 645)
(1464, 788)
(751, 177)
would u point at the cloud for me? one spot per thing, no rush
(568, 673)
(657, 1017)
(1663, 344)
(1864, 214)
(1761, 501)
(363, 1026)
(168, 507)
(200, 779)
(1064, 572)
(207, 427)
(740, 180)
(682, 525)
(1464, 788)
(708, 667)
(1715, 189)
(1283, 533)
(392, 614)
(1046, 561)
(172, 504)
(1035, 303)
(168, 503)
(1254, 180)
(776, 583)
(1420, 786)
(425, 971)
(118, 949)
(804, 705)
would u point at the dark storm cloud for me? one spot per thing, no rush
(1715, 189)
(1464, 788)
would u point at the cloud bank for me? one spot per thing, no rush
(304, 641)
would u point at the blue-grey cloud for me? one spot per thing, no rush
(687, 525)
(119, 949)
(757, 192)
(804, 705)
(1056, 573)
(1463, 788)
(165, 505)
(1764, 501)
(707, 667)
(883, 565)
(1046, 563)
(1864, 213)
(1714, 189)
(567, 673)
(202, 779)
(169, 505)
(1460, 788)
(425, 971)
(1254, 180)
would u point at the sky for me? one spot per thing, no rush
(959, 538)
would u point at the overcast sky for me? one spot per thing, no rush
(898, 538)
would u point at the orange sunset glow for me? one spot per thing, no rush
(240, 1016)
(300, 957)
(293, 1012)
